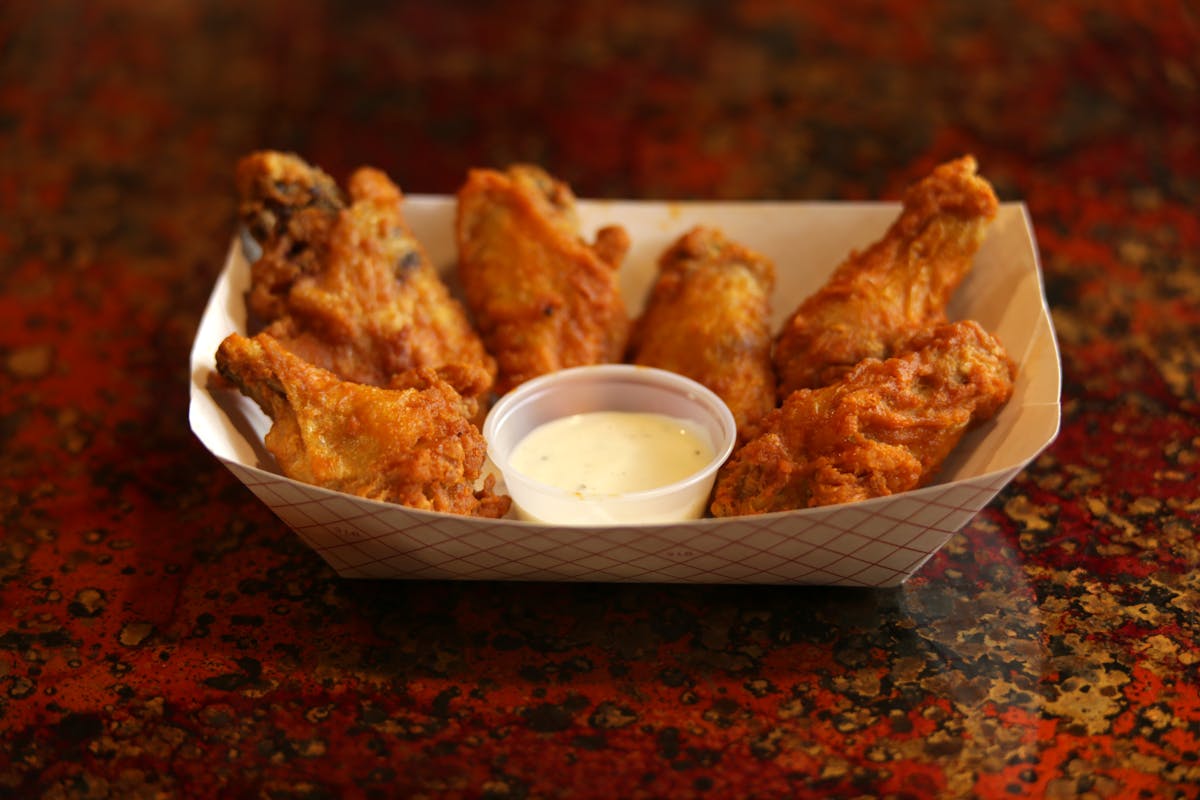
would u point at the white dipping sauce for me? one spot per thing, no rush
(606, 453)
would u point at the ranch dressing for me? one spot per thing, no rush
(607, 453)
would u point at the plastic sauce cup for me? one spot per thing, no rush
(608, 387)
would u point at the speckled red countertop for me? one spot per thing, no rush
(162, 634)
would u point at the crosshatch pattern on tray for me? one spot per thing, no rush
(852, 545)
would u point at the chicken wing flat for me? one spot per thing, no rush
(414, 446)
(708, 318)
(542, 297)
(884, 427)
(882, 296)
(348, 287)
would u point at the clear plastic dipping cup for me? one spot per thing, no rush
(608, 387)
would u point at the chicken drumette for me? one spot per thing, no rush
(708, 318)
(881, 297)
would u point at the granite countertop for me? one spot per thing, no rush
(163, 634)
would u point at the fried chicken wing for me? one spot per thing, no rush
(349, 288)
(288, 207)
(414, 446)
(543, 298)
(899, 286)
(884, 427)
(708, 318)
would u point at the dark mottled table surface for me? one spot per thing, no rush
(163, 634)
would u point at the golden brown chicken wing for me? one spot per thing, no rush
(414, 446)
(884, 427)
(708, 318)
(880, 297)
(349, 289)
(543, 298)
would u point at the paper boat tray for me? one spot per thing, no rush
(875, 543)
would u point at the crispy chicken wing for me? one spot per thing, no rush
(288, 207)
(708, 318)
(348, 287)
(414, 445)
(884, 427)
(543, 298)
(880, 297)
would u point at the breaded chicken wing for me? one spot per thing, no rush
(414, 446)
(288, 207)
(542, 297)
(884, 427)
(349, 288)
(708, 318)
(880, 297)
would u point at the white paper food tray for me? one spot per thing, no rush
(879, 542)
